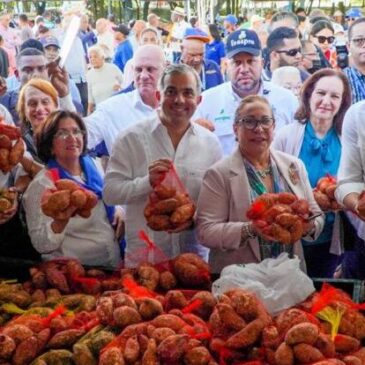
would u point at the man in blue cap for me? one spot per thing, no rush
(193, 54)
(230, 24)
(353, 14)
(219, 104)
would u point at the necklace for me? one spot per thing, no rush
(265, 172)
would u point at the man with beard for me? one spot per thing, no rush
(284, 49)
(356, 46)
(219, 104)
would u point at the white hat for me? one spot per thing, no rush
(256, 18)
(338, 13)
(179, 11)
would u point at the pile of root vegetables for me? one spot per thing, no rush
(165, 314)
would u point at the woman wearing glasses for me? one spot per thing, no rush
(315, 139)
(322, 35)
(231, 185)
(61, 143)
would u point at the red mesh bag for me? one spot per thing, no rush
(169, 205)
(324, 193)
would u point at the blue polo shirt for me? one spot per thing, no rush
(215, 51)
(211, 75)
(123, 53)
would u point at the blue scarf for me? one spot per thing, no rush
(94, 182)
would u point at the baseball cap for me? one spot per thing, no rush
(196, 33)
(354, 13)
(50, 41)
(230, 18)
(122, 28)
(243, 41)
(179, 11)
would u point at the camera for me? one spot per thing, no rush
(342, 56)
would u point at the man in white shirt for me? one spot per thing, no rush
(219, 104)
(178, 29)
(120, 111)
(143, 153)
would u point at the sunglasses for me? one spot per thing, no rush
(290, 52)
(322, 39)
(359, 42)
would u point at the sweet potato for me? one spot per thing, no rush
(352, 360)
(167, 280)
(57, 279)
(168, 320)
(132, 350)
(171, 349)
(247, 336)
(7, 346)
(26, 351)
(197, 356)
(104, 309)
(302, 333)
(325, 345)
(305, 353)
(82, 355)
(150, 355)
(166, 206)
(5, 142)
(284, 355)
(270, 337)
(149, 308)
(65, 338)
(111, 356)
(346, 344)
(182, 214)
(229, 318)
(16, 152)
(148, 276)
(159, 334)
(67, 184)
(125, 316)
(159, 222)
(164, 192)
(17, 332)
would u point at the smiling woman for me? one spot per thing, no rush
(61, 143)
(315, 139)
(231, 185)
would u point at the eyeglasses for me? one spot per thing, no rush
(252, 123)
(322, 39)
(64, 134)
(290, 52)
(359, 42)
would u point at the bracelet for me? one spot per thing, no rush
(246, 233)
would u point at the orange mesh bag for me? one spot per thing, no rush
(169, 205)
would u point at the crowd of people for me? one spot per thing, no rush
(238, 109)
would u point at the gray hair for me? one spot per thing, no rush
(97, 49)
(180, 69)
(279, 74)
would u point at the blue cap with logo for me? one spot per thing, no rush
(230, 18)
(243, 41)
(354, 13)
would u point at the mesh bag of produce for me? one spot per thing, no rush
(169, 205)
(12, 146)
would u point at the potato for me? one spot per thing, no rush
(325, 345)
(182, 214)
(284, 355)
(125, 316)
(172, 349)
(7, 346)
(5, 142)
(5, 204)
(82, 355)
(111, 356)
(17, 332)
(270, 337)
(302, 333)
(149, 308)
(150, 355)
(166, 206)
(229, 318)
(167, 280)
(67, 184)
(164, 192)
(305, 353)
(78, 198)
(247, 336)
(132, 350)
(352, 360)
(16, 152)
(197, 356)
(159, 222)
(159, 334)
(65, 338)
(148, 276)
(26, 351)
(168, 320)
(344, 343)
(286, 198)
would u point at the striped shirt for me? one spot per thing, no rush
(357, 84)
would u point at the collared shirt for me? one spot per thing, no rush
(127, 181)
(219, 105)
(123, 53)
(215, 51)
(114, 115)
(357, 83)
(211, 75)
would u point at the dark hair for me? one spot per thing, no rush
(193, 21)
(301, 18)
(214, 32)
(23, 17)
(319, 18)
(29, 51)
(280, 15)
(1, 38)
(32, 43)
(299, 10)
(303, 112)
(43, 29)
(321, 24)
(45, 134)
(250, 100)
(277, 36)
(354, 24)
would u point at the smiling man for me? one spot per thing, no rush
(218, 106)
(143, 153)
(120, 111)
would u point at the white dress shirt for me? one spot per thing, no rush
(114, 115)
(127, 180)
(91, 240)
(219, 105)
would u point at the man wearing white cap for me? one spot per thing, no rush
(179, 27)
